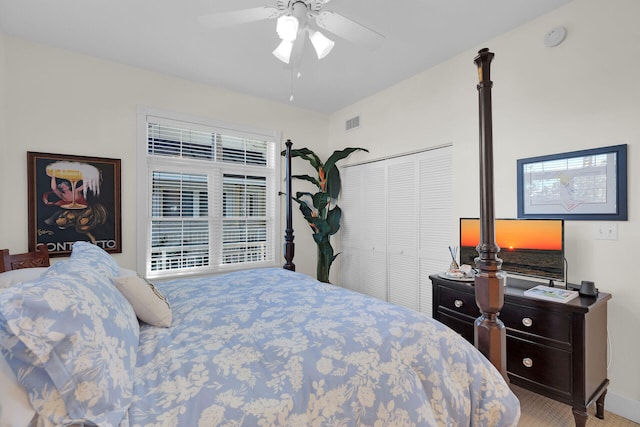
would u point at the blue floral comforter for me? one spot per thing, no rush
(271, 347)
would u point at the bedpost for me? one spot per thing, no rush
(489, 331)
(288, 233)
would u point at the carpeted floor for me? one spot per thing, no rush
(539, 411)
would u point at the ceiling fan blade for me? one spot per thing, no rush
(235, 17)
(349, 30)
(298, 48)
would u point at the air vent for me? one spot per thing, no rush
(352, 123)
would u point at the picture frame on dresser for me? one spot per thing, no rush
(72, 198)
(579, 185)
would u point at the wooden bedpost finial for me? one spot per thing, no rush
(288, 233)
(483, 62)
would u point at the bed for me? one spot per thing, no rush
(85, 342)
(256, 347)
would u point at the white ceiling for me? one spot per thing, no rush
(165, 36)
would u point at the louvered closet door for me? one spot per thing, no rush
(438, 227)
(351, 204)
(363, 233)
(397, 223)
(402, 232)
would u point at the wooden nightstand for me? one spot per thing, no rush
(554, 349)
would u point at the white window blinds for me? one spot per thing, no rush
(244, 219)
(179, 221)
(212, 198)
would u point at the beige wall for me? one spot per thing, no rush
(56, 101)
(3, 154)
(584, 93)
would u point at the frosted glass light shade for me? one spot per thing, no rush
(321, 43)
(283, 51)
(287, 27)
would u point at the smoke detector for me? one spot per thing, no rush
(555, 36)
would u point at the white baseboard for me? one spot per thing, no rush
(623, 406)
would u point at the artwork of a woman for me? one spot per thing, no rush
(66, 195)
(71, 198)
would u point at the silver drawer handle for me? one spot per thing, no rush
(526, 321)
(527, 362)
(458, 303)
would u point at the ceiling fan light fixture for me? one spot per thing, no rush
(321, 43)
(287, 27)
(283, 51)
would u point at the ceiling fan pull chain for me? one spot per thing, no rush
(291, 89)
(298, 75)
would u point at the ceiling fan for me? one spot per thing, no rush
(295, 20)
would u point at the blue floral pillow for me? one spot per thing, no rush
(71, 339)
(92, 256)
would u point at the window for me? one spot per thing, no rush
(207, 196)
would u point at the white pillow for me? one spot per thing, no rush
(148, 303)
(127, 272)
(15, 408)
(11, 277)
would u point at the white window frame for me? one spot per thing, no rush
(146, 163)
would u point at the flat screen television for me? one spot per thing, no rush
(528, 247)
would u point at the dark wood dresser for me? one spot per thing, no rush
(554, 349)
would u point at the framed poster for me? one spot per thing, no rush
(73, 198)
(579, 185)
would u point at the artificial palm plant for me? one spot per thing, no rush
(320, 209)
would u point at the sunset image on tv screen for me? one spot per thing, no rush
(532, 247)
(516, 234)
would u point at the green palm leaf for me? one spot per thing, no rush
(333, 175)
(308, 155)
(333, 219)
(339, 155)
(307, 178)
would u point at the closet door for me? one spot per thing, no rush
(351, 201)
(397, 224)
(363, 265)
(402, 231)
(438, 227)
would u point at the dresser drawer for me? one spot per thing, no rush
(540, 364)
(462, 326)
(547, 324)
(459, 302)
